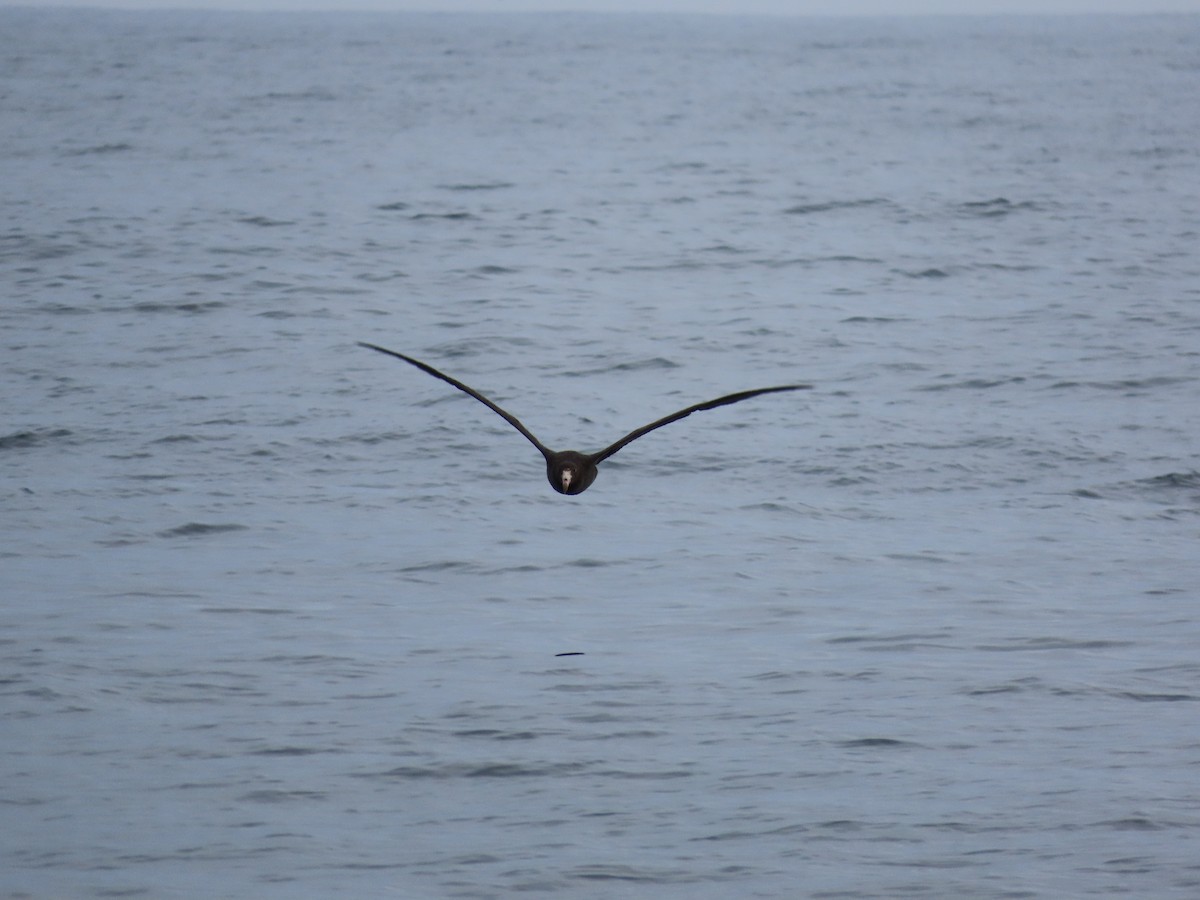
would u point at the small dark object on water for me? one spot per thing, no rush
(572, 653)
(569, 471)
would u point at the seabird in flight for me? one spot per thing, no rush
(569, 471)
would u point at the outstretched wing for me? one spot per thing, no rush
(683, 413)
(507, 416)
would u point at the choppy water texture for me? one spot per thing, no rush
(281, 615)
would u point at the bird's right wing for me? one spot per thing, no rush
(469, 391)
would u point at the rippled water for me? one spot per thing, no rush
(282, 616)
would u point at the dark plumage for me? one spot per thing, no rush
(569, 471)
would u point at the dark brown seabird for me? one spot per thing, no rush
(569, 471)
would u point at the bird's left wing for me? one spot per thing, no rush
(683, 413)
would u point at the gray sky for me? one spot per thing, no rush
(778, 7)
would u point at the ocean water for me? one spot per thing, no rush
(282, 617)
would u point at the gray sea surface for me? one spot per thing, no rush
(281, 617)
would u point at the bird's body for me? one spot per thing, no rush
(569, 471)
